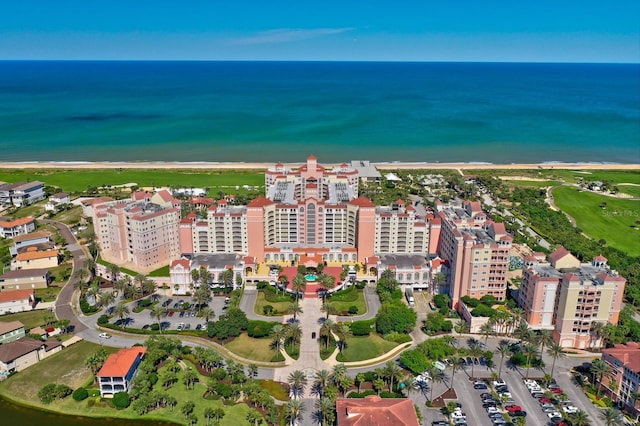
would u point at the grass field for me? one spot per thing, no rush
(68, 367)
(348, 298)
(80, 179)
(250, 348)
(30, 319)
(48, 294)
(261, 302)
(613, 176)
(532, 183)
(360, 348)
(614, 223)
(632, 190)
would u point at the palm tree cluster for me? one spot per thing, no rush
(282, 334)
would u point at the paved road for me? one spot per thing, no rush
(63, 307)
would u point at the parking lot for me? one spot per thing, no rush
(472, 405)
(179, 316)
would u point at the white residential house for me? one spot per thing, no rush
(16, 301)
(119, 369)
(56, 201)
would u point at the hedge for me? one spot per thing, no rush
(80, 394)
(362, 328)
(121, 400)
(362, 394)
(257, 328)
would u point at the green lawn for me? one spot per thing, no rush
(67, 367)
(48, 294)
(160, 272)
(250, 348)
(79, 179)
(70, 217)
(614, 223)
(360, 348)
(632, 190)
(532, 183)
(30, 319)
(61, 273)
(261, 302)
(613, 176)
(347, 298)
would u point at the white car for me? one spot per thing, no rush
(554, 414)
(104, 336)
(570, 409)
(499, 383)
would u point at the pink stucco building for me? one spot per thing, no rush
(568, 297)
(142, 231)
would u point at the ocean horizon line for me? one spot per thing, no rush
(331, 61)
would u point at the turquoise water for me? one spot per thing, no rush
(310, 277)
(283, 111)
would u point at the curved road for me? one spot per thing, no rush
(63, 308)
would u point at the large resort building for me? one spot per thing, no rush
(568, 297)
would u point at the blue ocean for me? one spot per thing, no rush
(283, 111)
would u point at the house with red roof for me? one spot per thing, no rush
(16, 301)
(624, 383)
(119, 369)
(375, 411)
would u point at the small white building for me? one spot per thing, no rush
(56, 201)
(10, 228)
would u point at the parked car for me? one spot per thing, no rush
(479, 386)
(199, 327)
(513, 407)
(499, 383)
(570, 409)
(104, 336)
(518, 413)
(482, 361)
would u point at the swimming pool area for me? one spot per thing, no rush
(310, 277)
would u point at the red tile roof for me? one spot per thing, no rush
(558, 254)
(13, 295)
(182, 262)
(597, 258)
(165, 195)
(260, 202)
(628, 354)
(375, 411)
(362, 202)
(119, 364)
(8, 223)
(31, 236)
(32, 254)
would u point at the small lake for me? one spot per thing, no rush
(13, 414)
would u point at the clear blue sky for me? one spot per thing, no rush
(403, 30)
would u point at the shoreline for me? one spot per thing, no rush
(263, 166)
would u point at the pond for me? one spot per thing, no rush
(310, 277)
(14, 414)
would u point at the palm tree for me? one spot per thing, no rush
(295, 309)
(320, 382)
(544, 338)
(340, 378)
(504, 350)
(325, 330)
(206, 313)
(121, 311)
(324, 407)
(294, 410)
(600, 369)
(294, 332)
(90, 265)
(343, 332)
(277, 334)
(113, 270)
(297, 382)
(555, 351)
(611, 416)
(523, 332)
(596, 331)
(329, 309)
(360, 379)
(120, 286)
(486, 330)
(158, 312)
(456, 364)
(437, 376)
(580, 418)
(391, 373)
(475, 350)
(530, 351)
(106, 298)
(327, 282)
(299, 285)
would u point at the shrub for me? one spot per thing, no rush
(395, 317)
(267, 309)
(258, 328)
(362, 394)
(121, 400)
(387, 394)
(362, 328)
(218, 374)
(47, 393)
(414, 360)
(87, 308)
(353, 310)
(470, 301)
(144, 303)
(262, 284)
(397, 337)
(155, 327)
(483, 310)
(518, 359)
(80, 394)
(104, 319)
(440, 300)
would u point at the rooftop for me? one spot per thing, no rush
(7, 327)
(216, 260)
(365, 169)
(375, 411)
(24, 273)
(119, 364)
(11, 351)
(13, 295)
(404, 261)
(628, 354)
(31, 236)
